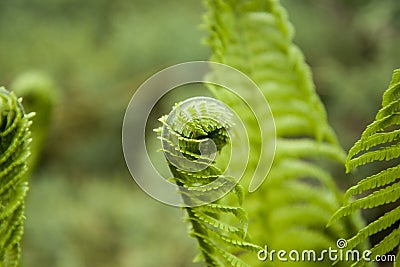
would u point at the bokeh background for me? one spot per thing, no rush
(83, 208)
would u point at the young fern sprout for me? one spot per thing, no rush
(379, 142)
(193, 135)
(14, 152)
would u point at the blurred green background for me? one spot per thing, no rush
(83, 208)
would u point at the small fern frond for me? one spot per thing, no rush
(14, 152)
(378, 142)
(220, 227)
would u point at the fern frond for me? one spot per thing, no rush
(14, 152)
(378, 142)
(220, 227)
(256, 38)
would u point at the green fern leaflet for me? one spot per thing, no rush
(299, 195)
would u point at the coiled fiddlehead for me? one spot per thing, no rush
(299, 195)
(192, 135)
(14, 151)
(379, 142)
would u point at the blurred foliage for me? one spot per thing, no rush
(96, 51)
(83, 208)
(101, 223)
